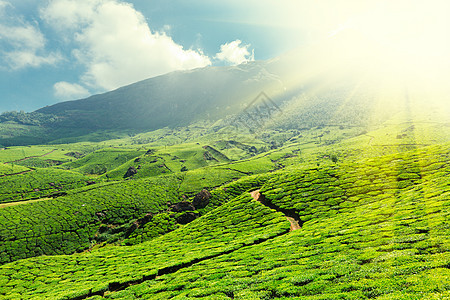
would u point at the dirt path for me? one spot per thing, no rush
(114, 287)
(2, 205)
(258, 197)
(294, 223)
(25, 158)
(12, 174)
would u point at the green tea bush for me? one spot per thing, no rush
(39, 183)
(392, 245)
(68, 224)
(61, 277)
(103, 160)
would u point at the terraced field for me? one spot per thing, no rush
(372, 229)
(225, 230)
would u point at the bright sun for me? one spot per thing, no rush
(407, 39)
(405, 33)
(397, 38)
(397, 51)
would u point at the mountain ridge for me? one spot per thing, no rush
(174, 99)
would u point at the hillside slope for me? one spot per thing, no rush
(312, 86)
(375, 229)
(175, 99)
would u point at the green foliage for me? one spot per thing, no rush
(68, 224)
(364, 234)
(16, 154)
(214, 234)
(103, 160)
(24, 118)
(146, 166)
(160, 224)
(11, 169)
(168, 160)
(387, 245)
(231, 190)
(373, 208)
(39, 183)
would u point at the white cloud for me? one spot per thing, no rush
(3, 4)
(234, 53)
(23, 42)
(115, 44)
(67, 91)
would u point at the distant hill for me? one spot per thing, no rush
(174, 99)
(313, 86)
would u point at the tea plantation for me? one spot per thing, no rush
(170, 215)
(386, 242)
(73, 213)
(376, 228)
(68, 224)
(239, 223)
(39, 183)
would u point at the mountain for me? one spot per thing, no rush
(175, 99)
(211, 93)
(315, 85)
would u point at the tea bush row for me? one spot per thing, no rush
(236, 224)
(68, 224)
(39, 183)
(389, 246)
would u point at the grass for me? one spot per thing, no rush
(373, 206)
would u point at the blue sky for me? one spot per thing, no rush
(57, 50)
(48, 50)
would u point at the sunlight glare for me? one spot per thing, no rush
(406, 38)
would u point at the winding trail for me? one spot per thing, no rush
(291, 216)
(25, 158)
(20, 173)
(7, 204)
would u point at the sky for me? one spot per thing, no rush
(58, 50)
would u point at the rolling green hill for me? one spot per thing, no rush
(375, 228)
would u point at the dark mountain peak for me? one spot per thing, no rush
(174, 99)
